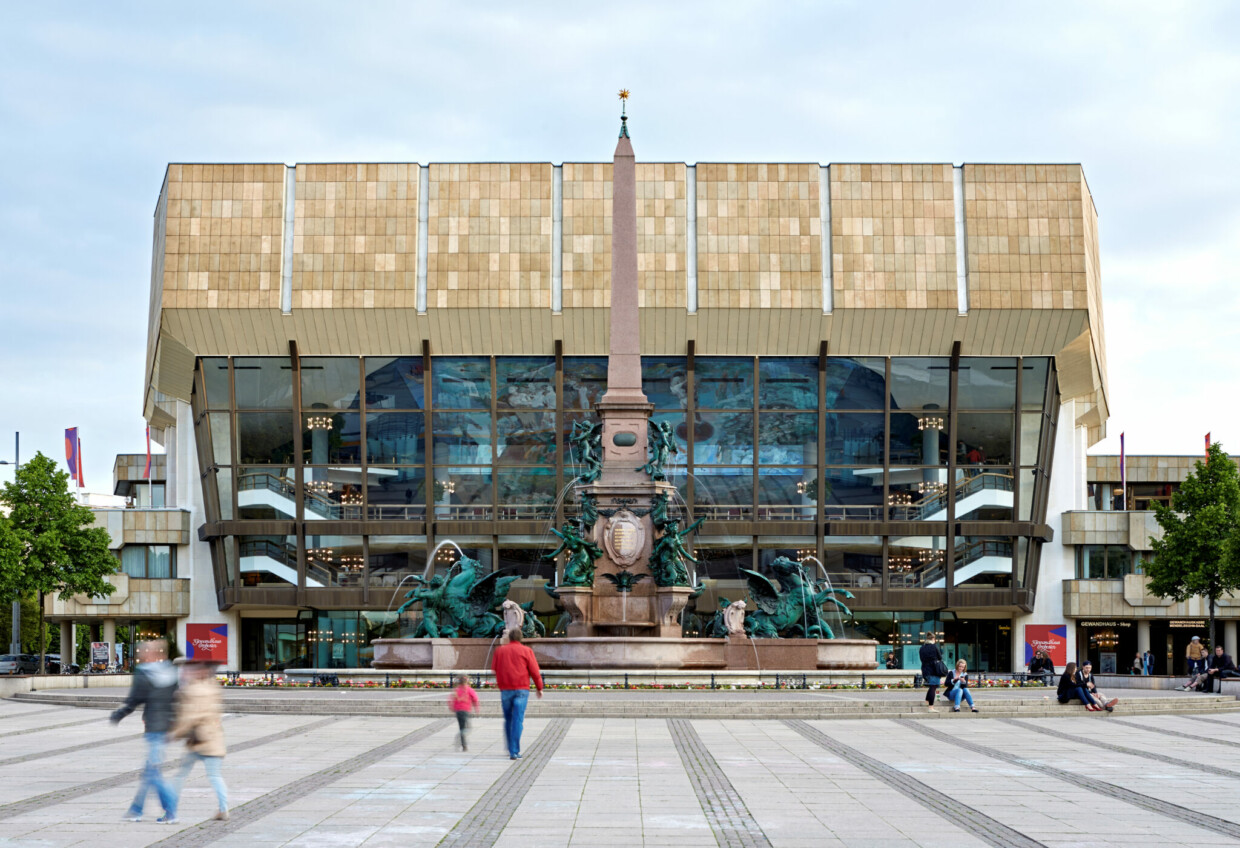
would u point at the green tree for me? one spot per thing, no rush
(1195, 555)
(61, 553)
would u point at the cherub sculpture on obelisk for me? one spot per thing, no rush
(626, 508)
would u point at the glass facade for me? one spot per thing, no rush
(775, 452)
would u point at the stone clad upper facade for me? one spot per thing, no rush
(512, 257)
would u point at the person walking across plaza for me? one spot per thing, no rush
(154, 689)
(464, 701)
(1196, 655)
(515, 666)
(956, 686)
(932, 669)
(199, 707)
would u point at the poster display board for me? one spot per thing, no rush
(1052, 638)
(100, 655)
(206, 642)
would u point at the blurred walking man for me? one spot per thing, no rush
(154, 688)
(515, 666)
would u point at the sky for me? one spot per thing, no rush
(95, 100)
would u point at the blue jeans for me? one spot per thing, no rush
(153, 778)
(214, 777)
(957, 692)
(513, 701)
(1196, 666)
(1081, 695)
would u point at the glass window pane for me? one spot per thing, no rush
(525, 382)
(462, 437)
(525, 438)
(1033, 381)
(333, 560)
(526, 494)
(157, 495)
(984, 494)
(854, 438)
(215, 379)
(461, 382)
(786, 438)
(159, 562)
(263, 382)
(986, 382)
(917, 562)
(463, 493)
(392, 559)
(1028, 478)
(918, 494)
(329, 382)
(983, 438)
(856, 382)
(1119, 562)
(724, 563)
(331, 438)
(723, 438)
(224, 484)
(919, 439)
(394, 382)
(1030, 433)
(665, 381)
(396, 493)
(585, 381)
(786, 493)
(920, 383)
(332, 493)
(266, 493)
(268, 560)
(852, 562)
(788, 382)
(265, 438)
(723, 382)
(853, 493)
(1022, 560)
(984, 561)
(396, 438)
(221, 437)
(726, 487)
(133, 560)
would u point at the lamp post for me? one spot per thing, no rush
(15, 644)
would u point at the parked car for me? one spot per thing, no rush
(19, 664)
(9, 664)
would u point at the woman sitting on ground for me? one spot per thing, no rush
(1069, 689)
(957, 686)
(1085, 679)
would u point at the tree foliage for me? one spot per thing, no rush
(1195, 555)
(61, 553)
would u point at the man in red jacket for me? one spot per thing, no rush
(514, 666)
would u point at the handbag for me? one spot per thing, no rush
(940, 668)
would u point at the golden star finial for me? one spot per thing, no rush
(624, 94)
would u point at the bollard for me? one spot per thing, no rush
(917, 681)
(863, 681)
(777, 681)
(712, 680)
(387, 681)
(804, 682)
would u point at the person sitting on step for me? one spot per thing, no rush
(1085, 679)
(956, 686)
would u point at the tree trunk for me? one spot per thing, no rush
(42, 638)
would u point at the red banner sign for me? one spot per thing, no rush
(206, 642)
(1052, 638)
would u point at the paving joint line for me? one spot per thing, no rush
(58, 796)
(482, 825)
(729, 819)
(48, 727)
(1101, 787)
(1123, 749)
(1181, 734)
(54, 752)
(990, 830)
(251, 811)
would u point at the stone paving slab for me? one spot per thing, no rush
(371, 780)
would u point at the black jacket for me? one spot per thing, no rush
(1222, 663)
(950, 680)
(1041, 664)
(1083, 680)
(1067, 685)
(929, 654)
(154, 688)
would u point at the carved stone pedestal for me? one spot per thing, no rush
(579, 604)
(670, 602)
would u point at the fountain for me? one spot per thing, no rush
(627, 579)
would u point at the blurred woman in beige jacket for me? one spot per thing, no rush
(199, 708)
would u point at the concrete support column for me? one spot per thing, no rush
(109, 636)
(1143, 635)
(1229, 637)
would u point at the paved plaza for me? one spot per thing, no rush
(66, 776)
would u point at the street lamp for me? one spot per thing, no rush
(15, 644)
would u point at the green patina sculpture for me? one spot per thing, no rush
(589, 510)
(658, 509)
(579, 570)
(667, 558)
(793, 608)
(461, 605)
(624, 581)
(662, 446)
(586, 440)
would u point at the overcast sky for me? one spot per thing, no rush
(96, 98)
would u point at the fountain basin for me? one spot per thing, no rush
(637, 652)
